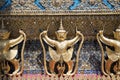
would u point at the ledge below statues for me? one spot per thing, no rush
(75, 77)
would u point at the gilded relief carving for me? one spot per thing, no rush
(59, 7)
(111, 57)
(11, 59)
(61, 61)
(56, 3)
(88, 25)
(60, 54)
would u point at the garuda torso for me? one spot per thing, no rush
(62, 51)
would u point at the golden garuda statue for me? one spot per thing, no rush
(11, 53)
(63, 59)
(111, 54)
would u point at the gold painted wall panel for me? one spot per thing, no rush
(88, 25)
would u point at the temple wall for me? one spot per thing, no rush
(88, 25)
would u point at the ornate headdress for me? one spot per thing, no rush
(61, 28)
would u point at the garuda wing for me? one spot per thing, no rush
(68, 55)
(111, 54)
(54, 55)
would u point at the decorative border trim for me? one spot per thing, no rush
(66, 12)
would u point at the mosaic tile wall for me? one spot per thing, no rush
(60, 4)
(59, 7)
(89, 61)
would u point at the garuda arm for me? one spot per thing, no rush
(49, 41)
(14, 42)
(107, 41)
(110, 53)
(43, 36)
(10, 54)
(75, 39)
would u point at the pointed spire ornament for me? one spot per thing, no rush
(2, 25)
(61, 25)
(61, 28)
(3, 31)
